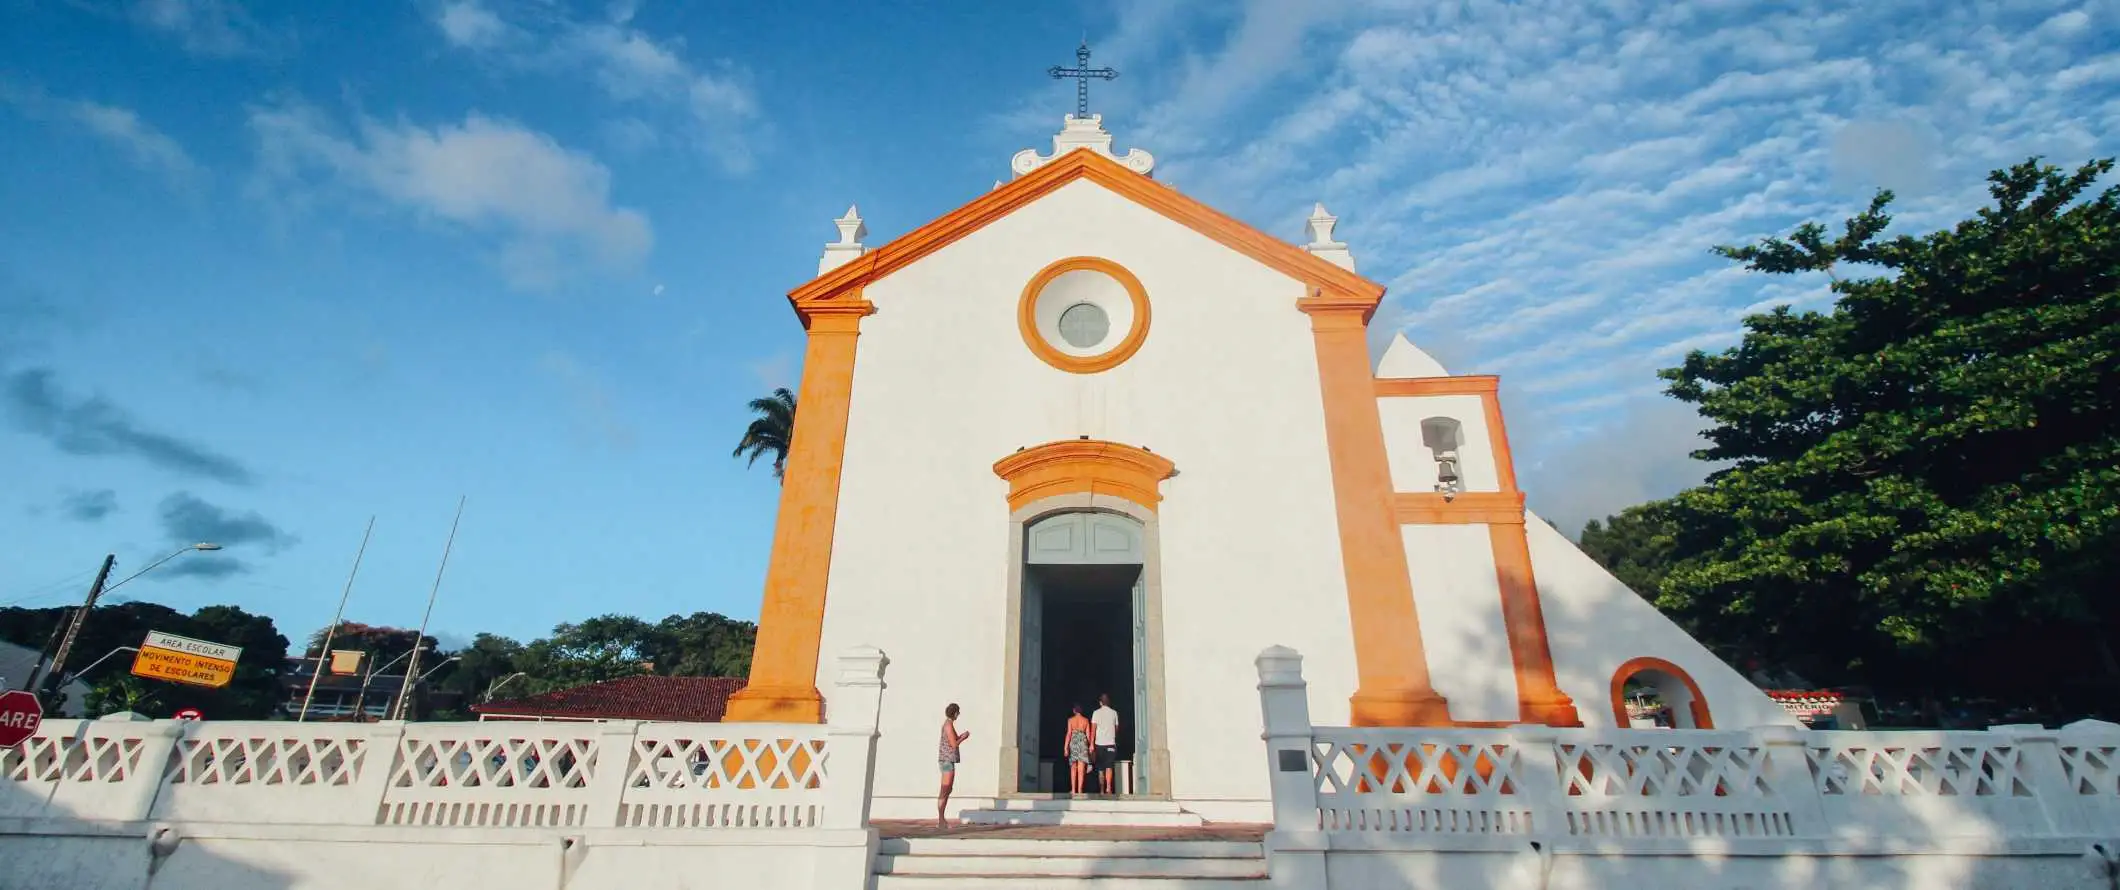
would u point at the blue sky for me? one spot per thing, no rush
(266, 271)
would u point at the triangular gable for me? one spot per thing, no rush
(1327, 281)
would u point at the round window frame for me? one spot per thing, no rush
(1123, 349)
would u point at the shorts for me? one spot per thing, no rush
(949, 767)
(1107, 755)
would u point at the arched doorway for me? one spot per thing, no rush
(1676, 700)
(1085, 622)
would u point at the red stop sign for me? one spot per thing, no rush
(20, 714)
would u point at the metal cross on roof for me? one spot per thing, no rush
(1082, 73)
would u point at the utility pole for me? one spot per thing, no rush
(66, 643)
(405, 691)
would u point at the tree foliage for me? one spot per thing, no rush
(1923, 484)
(253, 694)
(771, 432)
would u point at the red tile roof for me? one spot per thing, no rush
(645, 697)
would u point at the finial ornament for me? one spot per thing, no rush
(1086, 133)
(848, 248)
(851, 228)
(1082, 73)
(1321, 244)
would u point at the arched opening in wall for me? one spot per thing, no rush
(1085, 601)
(1442, 436)
(1652, 692)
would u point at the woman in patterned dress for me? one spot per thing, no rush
(1077, 748)
(947, 755)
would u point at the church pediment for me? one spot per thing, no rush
(1327, 281)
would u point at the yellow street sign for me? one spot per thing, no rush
(184, 660)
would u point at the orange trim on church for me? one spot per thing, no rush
(1084, 465)
(1466, 385)
(1275, 253)
(1702, 718)
(1393, 687)
(1431, 508)
(1027, 316)
(783, 685)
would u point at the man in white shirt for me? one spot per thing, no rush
(1104, 726)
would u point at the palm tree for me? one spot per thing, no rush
(771, 431)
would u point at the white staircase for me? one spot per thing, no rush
(1086, 811)
(947, 863)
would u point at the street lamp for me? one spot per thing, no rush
(421, 680)
(96, 590)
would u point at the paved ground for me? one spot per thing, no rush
(1221, 831)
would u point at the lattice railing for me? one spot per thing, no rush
(1649, 783)
(1444, 783)
(708, 776)
(493, 775)
(1664, 789)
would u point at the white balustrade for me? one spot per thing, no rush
(1445, 788)
(490, 775)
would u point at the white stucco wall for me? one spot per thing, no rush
(1225, 387)
(1459, 600)
(1595, 624)
(1413, 464)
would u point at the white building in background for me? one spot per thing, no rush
(1087, 435)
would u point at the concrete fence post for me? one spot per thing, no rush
(1789, 774)
(158, 741)
(380, 753)
(614, 765)
(2039, 764)
(847, 850)
(1543, 778)
(1295, 849)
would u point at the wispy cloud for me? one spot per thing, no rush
(212, 28)
(93, 426)
(187, 518)
(89, 506)
(657, 90)
(143, 144)
(548, 206)
(1540, 182)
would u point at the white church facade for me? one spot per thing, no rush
(1087, 435)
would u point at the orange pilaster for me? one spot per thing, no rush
(783, 686)
(1394, 688)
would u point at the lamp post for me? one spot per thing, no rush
(404, 700)
(496, 687)
(95, 591)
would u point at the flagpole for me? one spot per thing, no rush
(413, 670)
(332, 632)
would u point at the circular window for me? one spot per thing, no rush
(1084, 315)
(1084, 325)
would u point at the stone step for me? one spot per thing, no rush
(1070, 867)
(1086, 811)
(1087, 804)
(1051, 848)
(1081, 817)
(1031, 882)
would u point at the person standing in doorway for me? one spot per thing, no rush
(948, 755)
(1105, 723)
(1077, 748)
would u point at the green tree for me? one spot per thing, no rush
(770, 432)
(1924, 482)
(124, 692)
(602, 648)
(1635, 545)
(252, 694)
(703, 644)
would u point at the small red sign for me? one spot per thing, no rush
(190, 714)
(20, 715)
